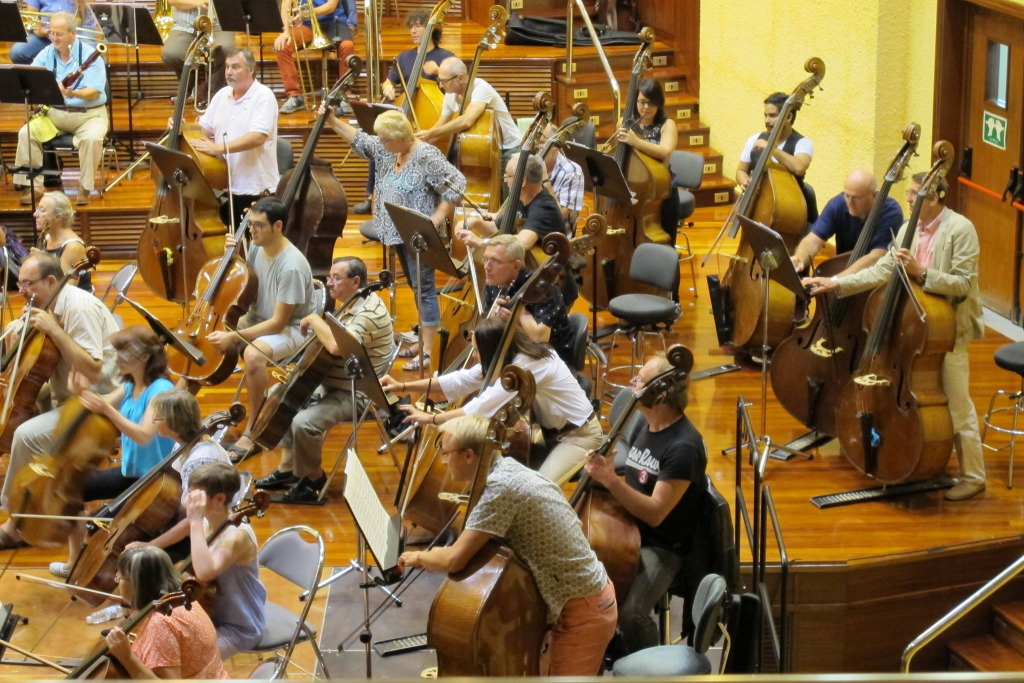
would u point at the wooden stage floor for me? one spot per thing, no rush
(840, 535)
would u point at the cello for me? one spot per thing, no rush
(182, 233)
(774, 198)
(422, 101)
(632, 224)
(26, 367)
(141, 513)
(489, 619)
(810, 368)
(316, 201)
(894, 422)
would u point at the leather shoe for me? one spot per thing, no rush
(362, 208)
(26, 197)
(306, 490)
(276, 480)
(964, 490)
(83, 198)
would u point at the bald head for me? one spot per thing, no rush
(859, 192)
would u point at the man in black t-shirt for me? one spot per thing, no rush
(543, 321)
(664, 489)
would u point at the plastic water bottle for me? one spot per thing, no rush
(106, 614)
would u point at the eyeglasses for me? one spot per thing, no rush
(852, 198)
(644, 103)
(339, 278)
(25, 284)
(258, 225)
(446, 81)
(57, 34)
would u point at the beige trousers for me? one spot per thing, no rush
(89, 128)
(956, 369)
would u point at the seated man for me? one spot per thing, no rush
(532, 516)
(564, 180)
(664, 488)
(337, 20)
(369, 322)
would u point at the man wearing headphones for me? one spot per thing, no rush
(943, 258)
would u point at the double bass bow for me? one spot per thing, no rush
(774, 198)
(894, 422)
(810, 369)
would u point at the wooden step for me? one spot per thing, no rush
(680, 107)
(1008, 624)
(715, 190)
(984, 653)
(620, 60)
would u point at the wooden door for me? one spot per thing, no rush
(993, 119)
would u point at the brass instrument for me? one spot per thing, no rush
(301, 10)
(204, 56)
(163, 19)
(31, 19)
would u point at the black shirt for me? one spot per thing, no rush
(676, 452)
(543, 216)
(550, 312)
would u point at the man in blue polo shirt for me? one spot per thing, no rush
(843, 218)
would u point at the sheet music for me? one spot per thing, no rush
(380, 529)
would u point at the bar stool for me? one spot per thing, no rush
(1008, 357)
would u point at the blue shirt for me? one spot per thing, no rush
(345, 11)
(136, 460)
(835, 219)
(94, 77)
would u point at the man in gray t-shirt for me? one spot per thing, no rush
(284, 297)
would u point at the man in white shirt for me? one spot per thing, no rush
(241, 124)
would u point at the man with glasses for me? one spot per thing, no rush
(80, 326)
(564, 180)
(82, 114)
(269, 331)
(843, 218)
(39, 37)
(369, 322)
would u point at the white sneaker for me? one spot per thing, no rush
(61, 569)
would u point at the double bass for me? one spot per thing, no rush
(632, 224)
(182, 233)
(422, 101)
(810, 368)
(489, 619)
(774, 198)
(894, 422)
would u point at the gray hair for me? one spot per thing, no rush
(456, 67)
(534, 169)
(70, 20)
(250, 61)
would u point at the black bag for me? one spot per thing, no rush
(528, 31)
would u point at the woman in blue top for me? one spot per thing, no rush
(143, 366)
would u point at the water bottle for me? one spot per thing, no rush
(106, 614)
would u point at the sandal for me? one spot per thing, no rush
(414, 364)
(408, 352)
(237, 454)
(8, 543)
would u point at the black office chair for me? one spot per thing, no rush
(688, 174)
(285, 155)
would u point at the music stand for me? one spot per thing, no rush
(250, 16)
(773, 258)
(166, 334)
(420, 235)
(602, 176)
(12, 30)
(31, 86)
(367, 112)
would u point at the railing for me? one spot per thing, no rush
(756, 528)
(960, 611)
(597, 46)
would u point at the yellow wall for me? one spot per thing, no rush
(879, 58)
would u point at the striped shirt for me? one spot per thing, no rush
(369, 322)
(567, 182)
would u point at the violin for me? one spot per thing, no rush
(894, 422)
(143, 512)
(26, 367)
(633, 223)
(773, 197)
(422, 100)
(810, 369)
(473, 604)
(173, 246)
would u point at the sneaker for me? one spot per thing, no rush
(293, 104)
(306, 490)
(61, 569)
(362, 208)
(276, 480)
(964, 490)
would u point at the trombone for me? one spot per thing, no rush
(31, 19)
(300, 11)
(204, 55)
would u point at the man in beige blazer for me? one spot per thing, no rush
(943, 258)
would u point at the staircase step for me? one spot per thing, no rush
(984, 653)
(1009, 624)
(715, 190)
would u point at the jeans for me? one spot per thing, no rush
(430, 311)
(658, 569)
(24, 53)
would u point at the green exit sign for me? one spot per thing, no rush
(993, 130)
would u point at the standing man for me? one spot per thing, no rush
(241, 124)
(337, 19)
(284, 298)
(943, 259)
(369, 322)
(564, 180)
(184, 14)
(83, 113)
(844, 217)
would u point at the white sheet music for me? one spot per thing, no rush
(380, 529)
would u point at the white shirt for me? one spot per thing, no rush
(85, 319)
(559, 398)
(483, 92)
(803, 146)
(253, 170)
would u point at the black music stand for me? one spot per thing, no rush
(31, 86)
(602, 176)
(12, 30)
(366, 113)
(420, 235)
(773, 258)
(248, 17)
(166, 334)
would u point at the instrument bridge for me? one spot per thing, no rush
(820, 349)
(871, 380)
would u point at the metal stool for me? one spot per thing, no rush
(1008, 357)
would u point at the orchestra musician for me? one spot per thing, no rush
(241, 124)
(843, 218)
(368, 320)
(532, 516)
(663, 490)
(337, 19)
(412, 174)
(38, 37)
(54, 217)
(230, 563)
(183, 15)
(270, 329)
(563, 178)
(416, 21)
(81, 328)
(83, 112)
(175, 646)
(943, 258)
(562, 409)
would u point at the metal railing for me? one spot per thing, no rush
(597, 46)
